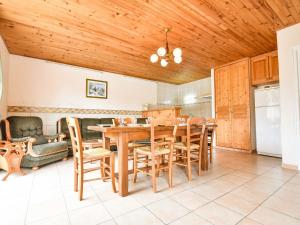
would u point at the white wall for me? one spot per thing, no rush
(187, 95)
(40, 83)
(287, 40)
(34, 82)
(4, 55)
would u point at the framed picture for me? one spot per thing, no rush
(96, 88)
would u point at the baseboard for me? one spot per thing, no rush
(289, 166)
(235, 150)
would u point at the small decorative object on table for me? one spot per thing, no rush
(11, 155)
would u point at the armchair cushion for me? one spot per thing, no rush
(50, 148)
(39, 140)
(107, 121)
(89, 134)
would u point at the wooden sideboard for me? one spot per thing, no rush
(163, 112)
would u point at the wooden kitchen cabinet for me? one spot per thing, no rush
(264, 69)
(233, 106)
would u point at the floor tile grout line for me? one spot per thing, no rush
(154, 215)
(238, 186)
(260, 204)
(29, 200)
(280, 198)
(64, 197)
(102, 203)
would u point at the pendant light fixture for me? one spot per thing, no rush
(165, 55)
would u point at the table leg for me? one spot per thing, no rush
(204, 163)
(123, 164)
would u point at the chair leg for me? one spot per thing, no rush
(147, 164)
(35, 168)
(112, 172)
(75, 174)
(135, 164)
(102, 164)
(170, 169)
(189, 169)
(153, 174)
(158, 165)
(81, 182)
(199, 162)
(210, 153)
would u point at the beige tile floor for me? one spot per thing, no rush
(238, 188)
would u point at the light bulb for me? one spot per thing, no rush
(177, 52)
(161, 51)
(163, 63)
(177, 59)
(154, 58)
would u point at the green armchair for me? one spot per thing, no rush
(40, 149)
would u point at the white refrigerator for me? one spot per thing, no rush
(267, 119)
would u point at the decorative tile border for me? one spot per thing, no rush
(31, 109)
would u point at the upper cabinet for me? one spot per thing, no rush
(264, 69)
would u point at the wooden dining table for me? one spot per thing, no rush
(125, 134)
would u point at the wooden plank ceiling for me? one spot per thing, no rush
(119, 35)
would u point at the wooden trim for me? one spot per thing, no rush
(33, 109)
(235, 150)
(233, 62)
(289, 166)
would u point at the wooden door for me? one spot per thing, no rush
(222, 103)
(240, 105)
(260, 69)
(273, 67)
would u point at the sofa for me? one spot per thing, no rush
(40, 149)
(87, 135)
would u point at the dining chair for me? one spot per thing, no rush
(189, 151)
(210, 136)
(159, 149)
(82, 157)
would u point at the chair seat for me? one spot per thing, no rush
(94, 153)
(146, 150)
(94, 143)
(182, 145)
(135, 145)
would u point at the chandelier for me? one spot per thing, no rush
(164, 54)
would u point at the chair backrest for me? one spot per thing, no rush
(75, 134)
(143, 120)
(24, 126)
(159, 139)
(195, 131)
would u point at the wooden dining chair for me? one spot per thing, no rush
(210, 136)
(189, 151)
(82, 157)
(159, 149)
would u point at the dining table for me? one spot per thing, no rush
(125, 134)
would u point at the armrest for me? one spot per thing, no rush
(23, 139)
(56, 137)
(17, 148)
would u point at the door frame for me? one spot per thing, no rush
(296, 62)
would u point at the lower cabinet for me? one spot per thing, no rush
(233, 102)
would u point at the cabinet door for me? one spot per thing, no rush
(273, 67)
(240, 105)
(260, 69)
(222, 103)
